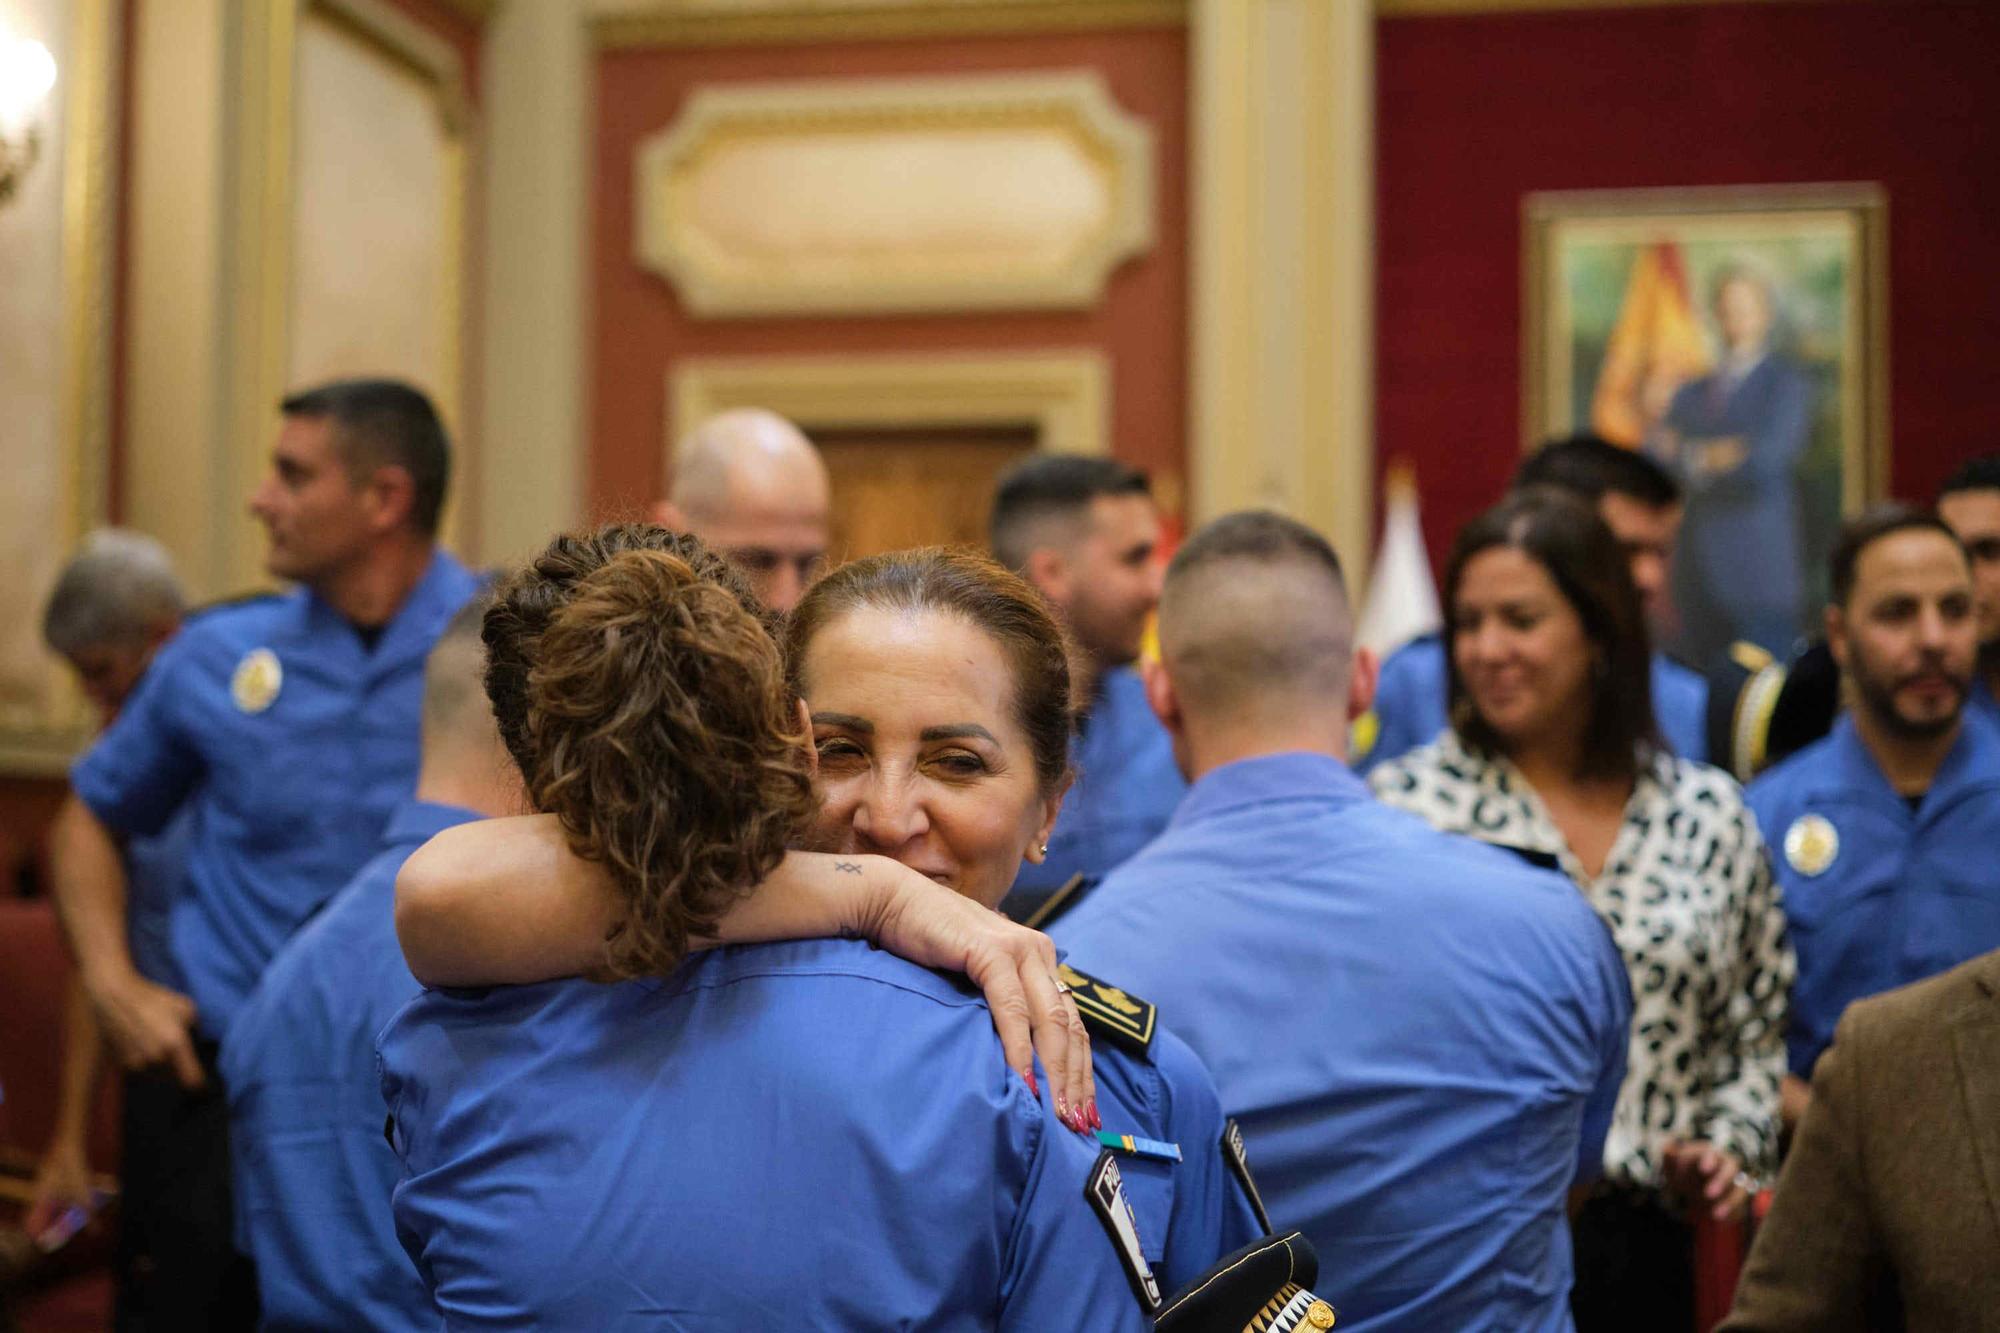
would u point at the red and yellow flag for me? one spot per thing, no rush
(1656, 346)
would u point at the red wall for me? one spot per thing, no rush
(639, 328)
(1474, 112)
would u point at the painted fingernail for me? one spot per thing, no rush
(1096, 1122)
(1033, 1086)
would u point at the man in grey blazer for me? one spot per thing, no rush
(1887, 1216)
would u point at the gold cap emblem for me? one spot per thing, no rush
(1319, 1314)
(1811, 843)
(257, 680)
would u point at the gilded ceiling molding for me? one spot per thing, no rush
(626, 24)
(994, 192)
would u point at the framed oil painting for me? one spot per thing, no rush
(1737, 336)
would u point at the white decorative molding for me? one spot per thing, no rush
(1063, 396)
(883, 196)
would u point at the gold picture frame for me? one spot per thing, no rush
(1739, 336)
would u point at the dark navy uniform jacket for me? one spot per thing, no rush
(292, 742)
(1879, 895)
(1422, 1037)
(810, 1135)
(1410, 704)
(313, 1172)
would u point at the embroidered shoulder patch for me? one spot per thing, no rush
(1105, 1189)
(1110, 1012)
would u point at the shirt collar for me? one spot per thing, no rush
(1974, 758)
(416, 821)
(1290, 776)
(433, 597)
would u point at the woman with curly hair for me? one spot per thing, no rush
(772, 1135)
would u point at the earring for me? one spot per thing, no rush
(1045, 849)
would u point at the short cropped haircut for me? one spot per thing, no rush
(1048, 487)
(113, 592)
(1558, 531)
(1864, 530)
(454, 673)
(1975, 474)
(381, 423)
(1589, 467)
(1239, 636)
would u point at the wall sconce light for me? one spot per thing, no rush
(27, 72)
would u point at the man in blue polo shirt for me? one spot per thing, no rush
(1641, 504)
(1086, 533)
(1422, 1037)
(313, 1170)
(288, 725)
(1884, 833)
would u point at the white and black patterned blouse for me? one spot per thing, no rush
(1691, 901)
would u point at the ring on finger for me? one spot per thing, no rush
(1748, 1183)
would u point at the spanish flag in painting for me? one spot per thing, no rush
(1656, 346)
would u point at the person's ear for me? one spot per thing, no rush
(392, 495)
(806, 730)
(1038, 848)
(1836, 634)
(1362, 679)
(1161, 696)
(1049, 570)
(667, 514)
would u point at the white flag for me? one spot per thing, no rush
(1402, 597)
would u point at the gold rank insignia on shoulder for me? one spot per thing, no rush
(257, 681)
(1108, 1011)
(1811, 844)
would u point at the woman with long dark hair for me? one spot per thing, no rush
(1553, 752)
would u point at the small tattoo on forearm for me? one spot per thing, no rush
(847, 867)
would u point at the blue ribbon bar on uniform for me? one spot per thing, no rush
(1156, 1149)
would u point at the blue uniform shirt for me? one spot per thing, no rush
(1126, 789)
(1410, 704)
(292, 742)
(1191, 1212)
(155, 869)
(1879, 895)
(1422, 1037)
(805, 1135)
(312, 1171)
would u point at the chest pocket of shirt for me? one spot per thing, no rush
(1149, 1188)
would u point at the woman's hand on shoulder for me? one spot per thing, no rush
(918, 919)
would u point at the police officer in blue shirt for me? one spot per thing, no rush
(313, 1170)
(1422, 1038)
(1641, 504)
(812, 1134)
(288, 725)
(1086, 533)
(1969, 504)
(1885, 832)
(112, 608)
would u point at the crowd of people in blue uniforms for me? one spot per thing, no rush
(1306, 1010)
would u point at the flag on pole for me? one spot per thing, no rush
(1656, 346)
(1402, 599)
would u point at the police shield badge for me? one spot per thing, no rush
(1811, 843)
(257, 680)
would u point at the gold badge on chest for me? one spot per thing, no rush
(258, 678)
(1811, 844)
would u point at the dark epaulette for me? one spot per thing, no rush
(1052, 907)
(1540, 860)
(1109, 1012)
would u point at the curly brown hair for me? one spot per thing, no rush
(655, 723)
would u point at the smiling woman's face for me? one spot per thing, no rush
(920, 755)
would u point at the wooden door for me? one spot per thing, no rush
(899, 488)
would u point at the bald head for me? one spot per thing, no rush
(1255, 629)
(751, 486)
